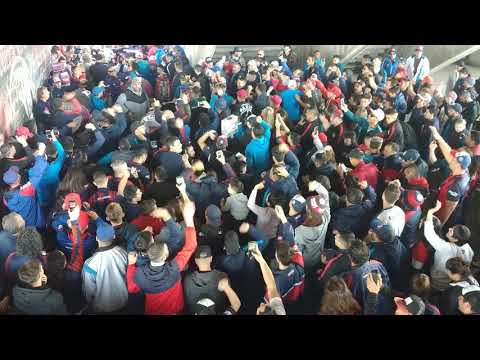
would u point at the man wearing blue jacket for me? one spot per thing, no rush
(390, 64)
(47, 187)
(23, 199)
(257, 151)
(360, 205)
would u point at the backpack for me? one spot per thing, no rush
(409, 136)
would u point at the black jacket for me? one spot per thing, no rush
(162, 192)
(125, 236)
(199, 285)
(38, 301)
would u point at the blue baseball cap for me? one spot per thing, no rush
(11, 175)
(411, 155)
(383, 231)
(105, 232)
(463, 158)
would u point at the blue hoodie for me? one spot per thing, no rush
(258, 152)
(23, 200)
(97, 102)
(47, 187)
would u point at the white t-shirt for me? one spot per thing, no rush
(395, 217)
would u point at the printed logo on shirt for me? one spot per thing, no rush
(452, 193)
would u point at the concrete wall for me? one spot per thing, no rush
(196, 52)
(435, 53)
(23, 68)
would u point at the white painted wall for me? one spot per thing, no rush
(196, 52)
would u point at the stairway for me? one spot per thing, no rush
(249, 51)
(354, 58)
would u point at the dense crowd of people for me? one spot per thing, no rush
(150, 185)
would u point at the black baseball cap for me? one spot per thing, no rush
(203, 252)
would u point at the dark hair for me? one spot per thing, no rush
(359, 252)
(130, 191)
(55, 268)
(143, 241)
(391, 111)
(258, 130)
(237, 185)
(475, 136)
(278, 155)
(338, 299)
(457, 265)
(284, 252)
(29, 272)
(420, 285)
(474, 300)
(147, 206)
(295, 137)
(394, 146)
(204, 120)
(29, 242)
(51, 150)
(262, 87)
(462, 234)
(74, 180)
(392, 193)
(354, 195)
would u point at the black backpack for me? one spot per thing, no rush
(409, 136)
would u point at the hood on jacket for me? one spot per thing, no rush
(157, 279)
(35, 301)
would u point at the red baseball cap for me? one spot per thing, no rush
(23, 131)
(242, 93)
(323, 138)
(276, 100)
(427, 80)
(72, 197)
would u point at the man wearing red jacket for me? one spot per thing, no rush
(331, 92)
(361, 170)
(159, 279)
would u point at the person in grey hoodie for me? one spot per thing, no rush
(32, 296)
(310, 236)
(104, 275)
(135, 100)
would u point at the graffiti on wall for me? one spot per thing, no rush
(23, 69)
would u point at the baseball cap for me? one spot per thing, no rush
(457, 107)
(460, 63)
(239, 49)
(203, 252)
(419, 48)
(413, 305)
(411, 155)
(11, 175)
(242, 93)
(299, 203)
(205, 306)
(164, 234)
(105, 232)
(412, 199)
(383, 231)
(378, 113)
(214, 215)
(23, 131)
(323, 138)
(276, 100)
(72, 197)
(208, 59)
(463, 158)
(318, 203)
(427, 80)
(222, 142)
(356, 154)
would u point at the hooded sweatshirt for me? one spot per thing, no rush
(162, 284)
(203, 284)
(97, 102)
(38, 301)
